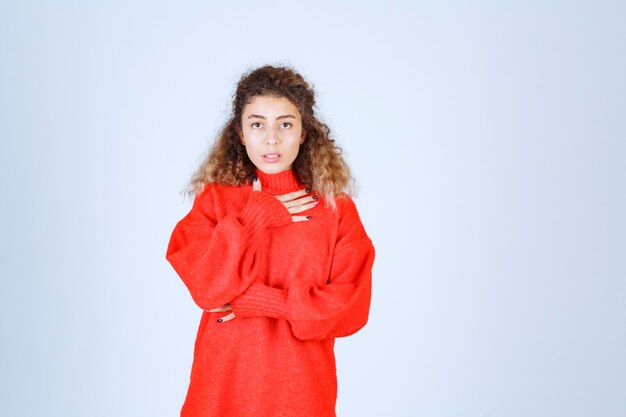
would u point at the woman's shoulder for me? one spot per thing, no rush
(219, 189)
(344, 203)
(350, 225)
(213, 193)
(346, 210)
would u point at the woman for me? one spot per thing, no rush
(274, 252)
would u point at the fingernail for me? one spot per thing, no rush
(308, 190)
(308, 217)
(315, 197)
(219, 320)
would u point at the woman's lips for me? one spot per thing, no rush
(271, 157)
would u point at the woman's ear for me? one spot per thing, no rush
(302, 137)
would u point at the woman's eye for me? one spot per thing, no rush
(255, 123)
(287, 123)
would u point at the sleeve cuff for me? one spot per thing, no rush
(260, 300)
(264, 210)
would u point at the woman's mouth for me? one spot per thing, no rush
(271, 157)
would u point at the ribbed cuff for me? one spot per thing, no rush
(263, 210)
(261, 300)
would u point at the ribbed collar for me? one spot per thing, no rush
(283, 181)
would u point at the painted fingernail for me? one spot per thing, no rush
(308, 217)
(308, 190)
(219, 320)
(315, 197)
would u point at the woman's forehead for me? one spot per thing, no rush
(265, 106)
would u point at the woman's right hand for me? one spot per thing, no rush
(294, 202)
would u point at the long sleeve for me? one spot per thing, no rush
(217, 260)
(338, 308)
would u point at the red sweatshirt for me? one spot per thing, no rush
(294, 288)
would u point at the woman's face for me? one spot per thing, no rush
(271, 132)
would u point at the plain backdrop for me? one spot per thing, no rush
(488, 142)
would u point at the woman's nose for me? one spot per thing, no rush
(272, 138)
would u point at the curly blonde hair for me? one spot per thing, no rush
(319, 164)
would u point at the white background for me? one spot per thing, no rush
(488, 140)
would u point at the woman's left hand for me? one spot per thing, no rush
(225, 307)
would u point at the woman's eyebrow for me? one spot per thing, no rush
(284, 116)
